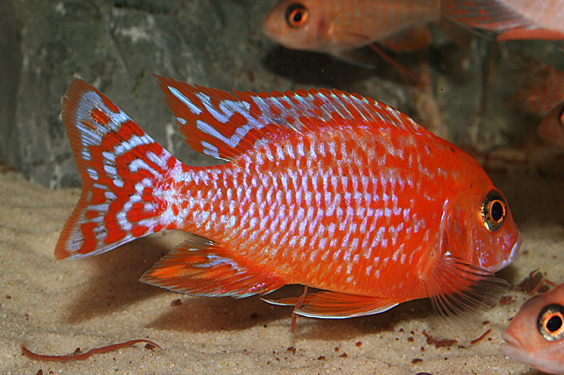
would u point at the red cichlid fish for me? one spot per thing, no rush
(339, 26)
(322, 188)
(535, 336)
(513, 19)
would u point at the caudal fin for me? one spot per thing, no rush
(125, 176)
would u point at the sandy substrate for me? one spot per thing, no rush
(55, 307)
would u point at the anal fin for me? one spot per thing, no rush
(209, 270)
(334, 305)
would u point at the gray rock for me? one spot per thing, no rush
(10, 63)
(117, 46)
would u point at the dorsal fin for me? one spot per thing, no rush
(496, 15)
(224, 125)
(523, 33)
(491, 15)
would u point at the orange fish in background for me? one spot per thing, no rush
(321, 188)
(513, 19)
(540, 87)
(551, 128)
(339, 26)
(541, 92)
(535, 335)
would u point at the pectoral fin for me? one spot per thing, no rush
(361, 57)
(456, 286)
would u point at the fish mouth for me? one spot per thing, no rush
(511, 344)
(514, 348)
(270, 30)
(514, 253)
(267, 29)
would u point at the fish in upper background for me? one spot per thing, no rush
(512, 19)
(540, 91)
(338, 27)
(551, 128)
(535, 335)
(321, 188)
(540, 87)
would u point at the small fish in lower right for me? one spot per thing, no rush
(535, 336)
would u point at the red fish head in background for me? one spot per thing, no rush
(297, 25)
(536, 334)
(341, 25)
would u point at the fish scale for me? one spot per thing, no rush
(322, 188)
(345, 226)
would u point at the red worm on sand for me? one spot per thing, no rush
(82, 356)
(481, 337)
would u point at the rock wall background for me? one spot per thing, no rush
(117, 46)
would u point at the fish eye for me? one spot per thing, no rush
(550, 322)
(561, 117)
(494, 210)
(296, 15)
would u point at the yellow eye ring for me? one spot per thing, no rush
(550, 322)
(494, 210)
(296, 15)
